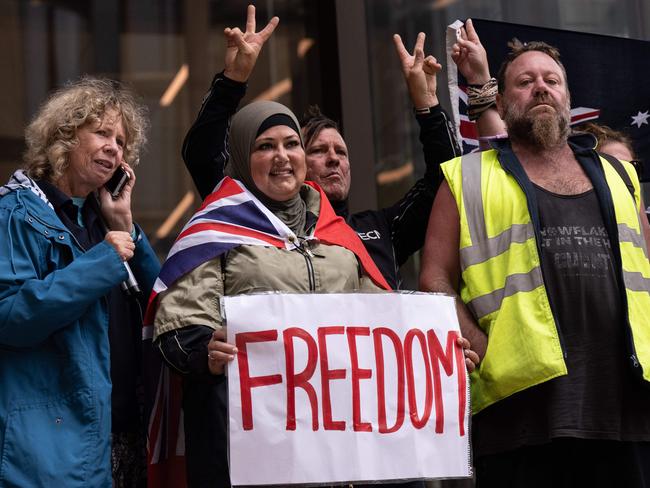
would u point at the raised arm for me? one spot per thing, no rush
(409, 216)
(205, 149)
(440, 268)
(437, 138)
(471, 59)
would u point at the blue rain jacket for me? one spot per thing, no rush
(55, 386)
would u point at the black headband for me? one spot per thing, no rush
(277, 119)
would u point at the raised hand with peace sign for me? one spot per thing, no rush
(243, 48)
(419, 72)
(471, 59)
(469, 55)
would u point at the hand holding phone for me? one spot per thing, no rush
(117, 182)
(115, 199)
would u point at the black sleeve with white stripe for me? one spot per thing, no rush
(409, 216)
(205, 149)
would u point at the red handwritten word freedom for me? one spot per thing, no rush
(429, 346)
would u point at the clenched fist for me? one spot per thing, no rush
(122, 243)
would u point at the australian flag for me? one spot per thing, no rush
(608, 79)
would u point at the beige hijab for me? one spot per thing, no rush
(243, 132)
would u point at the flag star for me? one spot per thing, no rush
(640, 119)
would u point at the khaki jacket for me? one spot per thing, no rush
(195, 298)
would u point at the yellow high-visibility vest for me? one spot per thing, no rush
(502, 283)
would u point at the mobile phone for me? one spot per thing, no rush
(115, 185)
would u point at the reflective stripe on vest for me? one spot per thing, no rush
(634, 281)
(627, 234)
(484, 248)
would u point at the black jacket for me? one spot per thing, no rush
(390, 234)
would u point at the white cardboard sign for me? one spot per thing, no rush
(332, 388)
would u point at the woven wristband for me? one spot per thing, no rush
(480, 98)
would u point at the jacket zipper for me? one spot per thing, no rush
(629, 335)
(308, 255)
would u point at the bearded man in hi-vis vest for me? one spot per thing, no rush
(545, 243)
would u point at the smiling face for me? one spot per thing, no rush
(328, 164)
(277, 163)
(94, 159)
(535, 102)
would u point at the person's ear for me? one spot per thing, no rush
(499, 103)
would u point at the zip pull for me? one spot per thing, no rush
(635, 361)
(307, 251)
(304, 246)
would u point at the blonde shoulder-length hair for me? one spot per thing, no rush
(52, 133)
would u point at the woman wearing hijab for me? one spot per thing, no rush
(265, 191)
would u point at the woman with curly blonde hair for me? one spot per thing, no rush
(69, 335)
(53, 132)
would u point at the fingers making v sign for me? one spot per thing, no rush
(243, 48)
(419, 72)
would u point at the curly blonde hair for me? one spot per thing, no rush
(52, 133)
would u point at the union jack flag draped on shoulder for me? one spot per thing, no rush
(232, 216)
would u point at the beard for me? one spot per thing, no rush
(544, 130)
